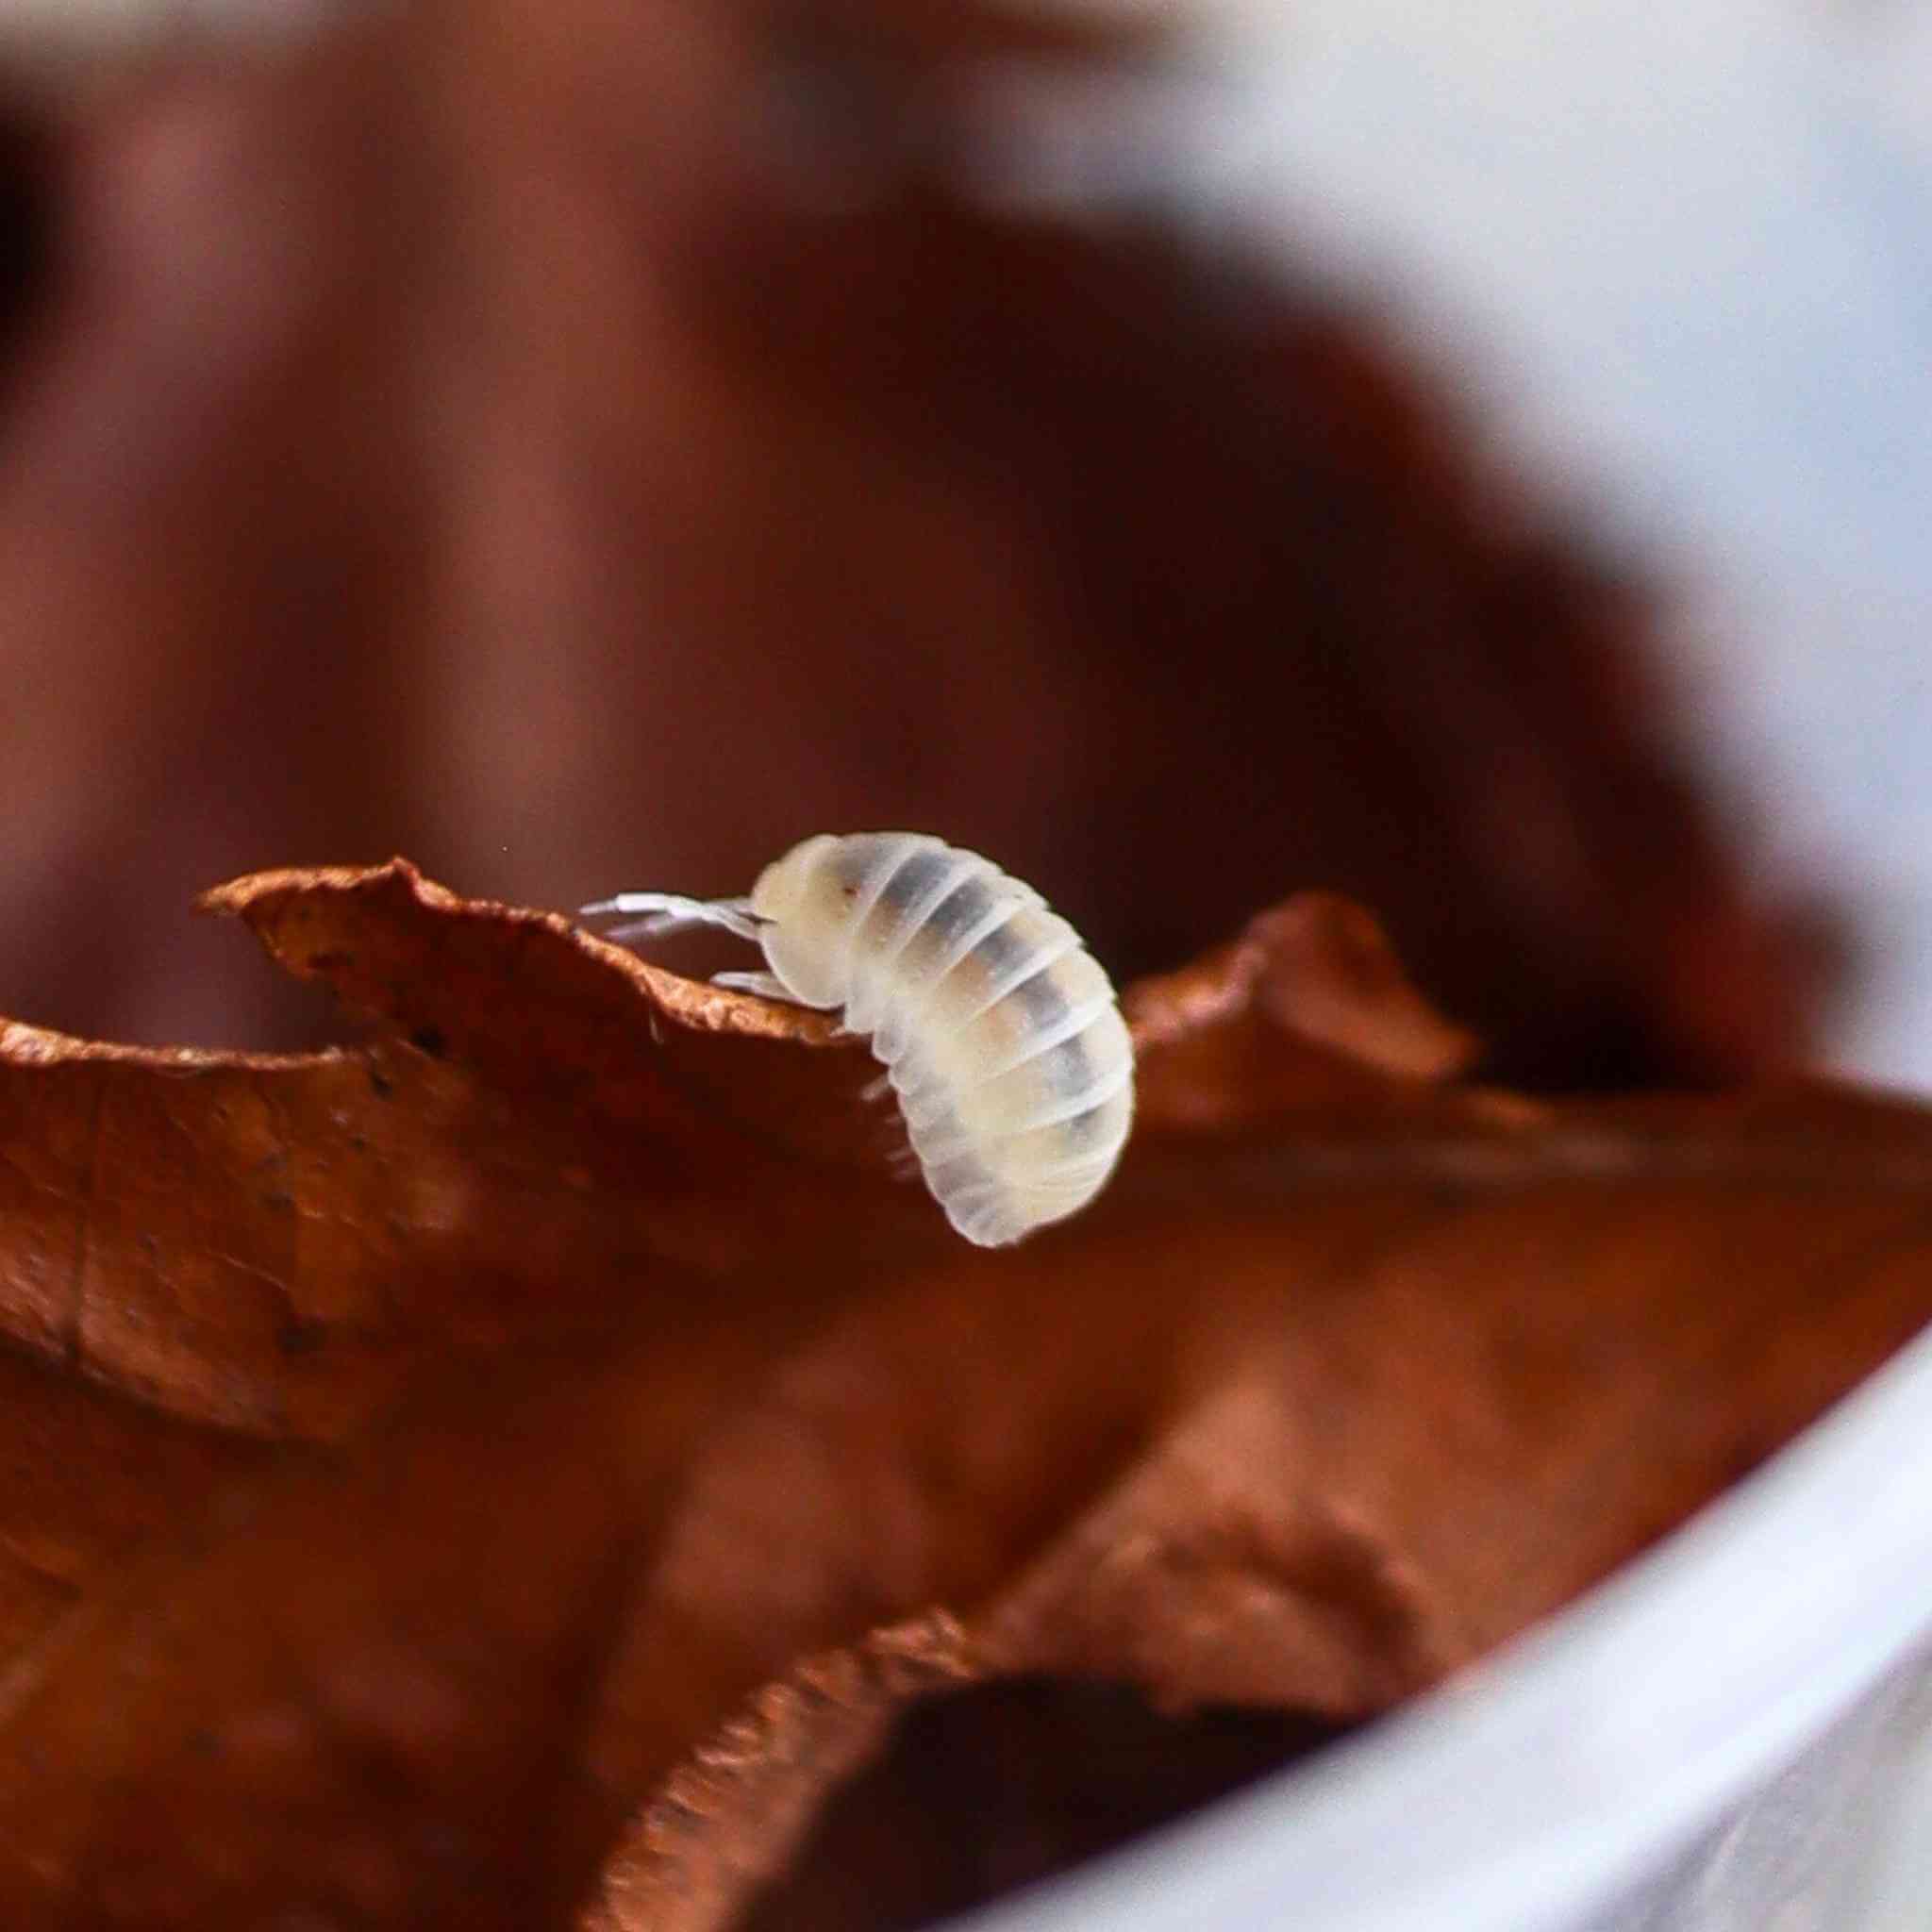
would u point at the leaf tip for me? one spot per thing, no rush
(242, 896)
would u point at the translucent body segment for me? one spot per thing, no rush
(1054, 1087)
(1012, 1127)
(962, 1041)
(982, 902)
(985, 1039)
(991, 1217)
(1022, 1044)
(1011, 956)
(1001, 1120)
(922, 882)
(1066, 1147)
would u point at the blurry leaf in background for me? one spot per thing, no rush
(595, 445)
(552, 1415)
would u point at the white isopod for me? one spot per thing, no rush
(1000, 1034)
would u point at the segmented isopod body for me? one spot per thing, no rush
(1000, 1034)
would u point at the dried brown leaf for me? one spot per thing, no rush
(640, 1382)
(354, 1691)
(1332, 1422)
(545, 1011)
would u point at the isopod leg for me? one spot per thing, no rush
(767, 986)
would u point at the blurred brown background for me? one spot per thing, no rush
(587, 445)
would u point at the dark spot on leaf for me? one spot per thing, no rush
(297, 1335)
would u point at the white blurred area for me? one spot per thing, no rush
(1680, 258)
(1683, 257)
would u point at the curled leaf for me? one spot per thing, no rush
(488, 1417)
(728, 1820)
(1310, 1005)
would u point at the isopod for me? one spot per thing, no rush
(999, 1032)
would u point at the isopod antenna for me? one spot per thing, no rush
(649, 915)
